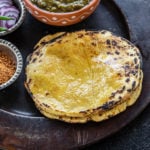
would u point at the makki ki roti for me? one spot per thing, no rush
(94, 116)
(78, 74)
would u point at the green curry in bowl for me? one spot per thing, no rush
(60, 5)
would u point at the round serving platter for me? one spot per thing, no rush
(21, 124)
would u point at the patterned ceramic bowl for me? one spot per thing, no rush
(14, 53)
(61, 19)
(21, 7)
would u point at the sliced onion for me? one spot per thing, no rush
(11, 12)
(6, 2)
(4, 5)
(7, 9)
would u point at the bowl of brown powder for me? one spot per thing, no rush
(11, 63)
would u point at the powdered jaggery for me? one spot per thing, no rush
(7, 67)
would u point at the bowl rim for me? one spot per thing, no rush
(19, 63)
(20, 20)
(61, 13)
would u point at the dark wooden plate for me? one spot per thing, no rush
(21, 124)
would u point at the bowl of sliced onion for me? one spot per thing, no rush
(12, 14)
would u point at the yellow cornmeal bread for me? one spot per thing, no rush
(95, 116)
(79, 76)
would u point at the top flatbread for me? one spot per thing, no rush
(76, 74)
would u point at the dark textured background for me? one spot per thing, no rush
(135, 136)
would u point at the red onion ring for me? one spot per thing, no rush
(9, 11)
(6, 1)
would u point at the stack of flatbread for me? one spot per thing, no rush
(84, 76)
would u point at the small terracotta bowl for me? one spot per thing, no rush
(61, 19)
(11, 50)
